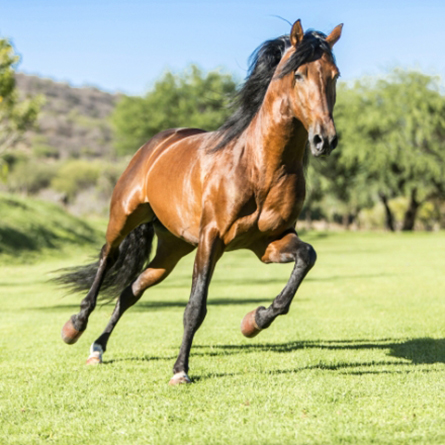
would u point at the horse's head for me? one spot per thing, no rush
(310, 67)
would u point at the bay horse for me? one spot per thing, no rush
(240, 187)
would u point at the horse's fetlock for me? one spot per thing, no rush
(78, 324)
(284, 310)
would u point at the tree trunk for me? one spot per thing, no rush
(388, 213)
(345, 220)
(411, 213)
(348, 219)
(355, 218)
(308, 217)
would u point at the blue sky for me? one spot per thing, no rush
(126, 45)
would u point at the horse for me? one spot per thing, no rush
(239, 187)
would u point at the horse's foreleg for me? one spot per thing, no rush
(210, 249)
(289, 248)
(169, 251)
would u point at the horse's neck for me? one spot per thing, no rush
(278, 139)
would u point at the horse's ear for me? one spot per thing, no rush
(335, 35)
(296, 34)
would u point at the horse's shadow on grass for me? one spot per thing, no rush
(419, 351)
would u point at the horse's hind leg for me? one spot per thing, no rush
(121, 223)
(76, 325)
(287, 249)
(169, 251)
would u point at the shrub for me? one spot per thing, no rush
(74, 176)
(45, 151)
(30, 177)
(109, 176)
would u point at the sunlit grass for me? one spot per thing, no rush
(360, 358)
(29, 227)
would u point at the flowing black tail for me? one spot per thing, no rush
(134, 253)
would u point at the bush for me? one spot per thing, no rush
(108, 178)
(45, 151)
(74, 176)
(30, 177)
(372, 218)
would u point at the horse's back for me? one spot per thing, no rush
(163, 140)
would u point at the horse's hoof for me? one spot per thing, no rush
(69, 333)
(94, 361)
(180, 378)
(249, 328)
(95, 357)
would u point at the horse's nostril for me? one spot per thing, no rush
(318, 141)
(334, 142)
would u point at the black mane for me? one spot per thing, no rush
(262, 65)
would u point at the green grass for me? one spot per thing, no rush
(360, 358)
(29, 227)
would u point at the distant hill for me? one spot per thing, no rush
(73, 122)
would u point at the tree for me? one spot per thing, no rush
(16, 115)
(189, 99)
(394, 128)
(338, 182)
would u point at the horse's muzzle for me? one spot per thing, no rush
(322, 145)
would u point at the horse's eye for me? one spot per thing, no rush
(298, 77)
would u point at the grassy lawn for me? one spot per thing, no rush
(30, 226)
(360, 358)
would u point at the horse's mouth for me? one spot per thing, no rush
(321, 153)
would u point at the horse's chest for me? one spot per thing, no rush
(282, 204)
(267, 213)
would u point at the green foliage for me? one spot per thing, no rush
(109, 175)
(395, 126)
(428, 214)
(45, 151)
(30, 176)
(74, 176)
(189, 99)
(16, 115)
(13, 158)
(392, 143)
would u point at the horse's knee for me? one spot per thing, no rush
(306, 255)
